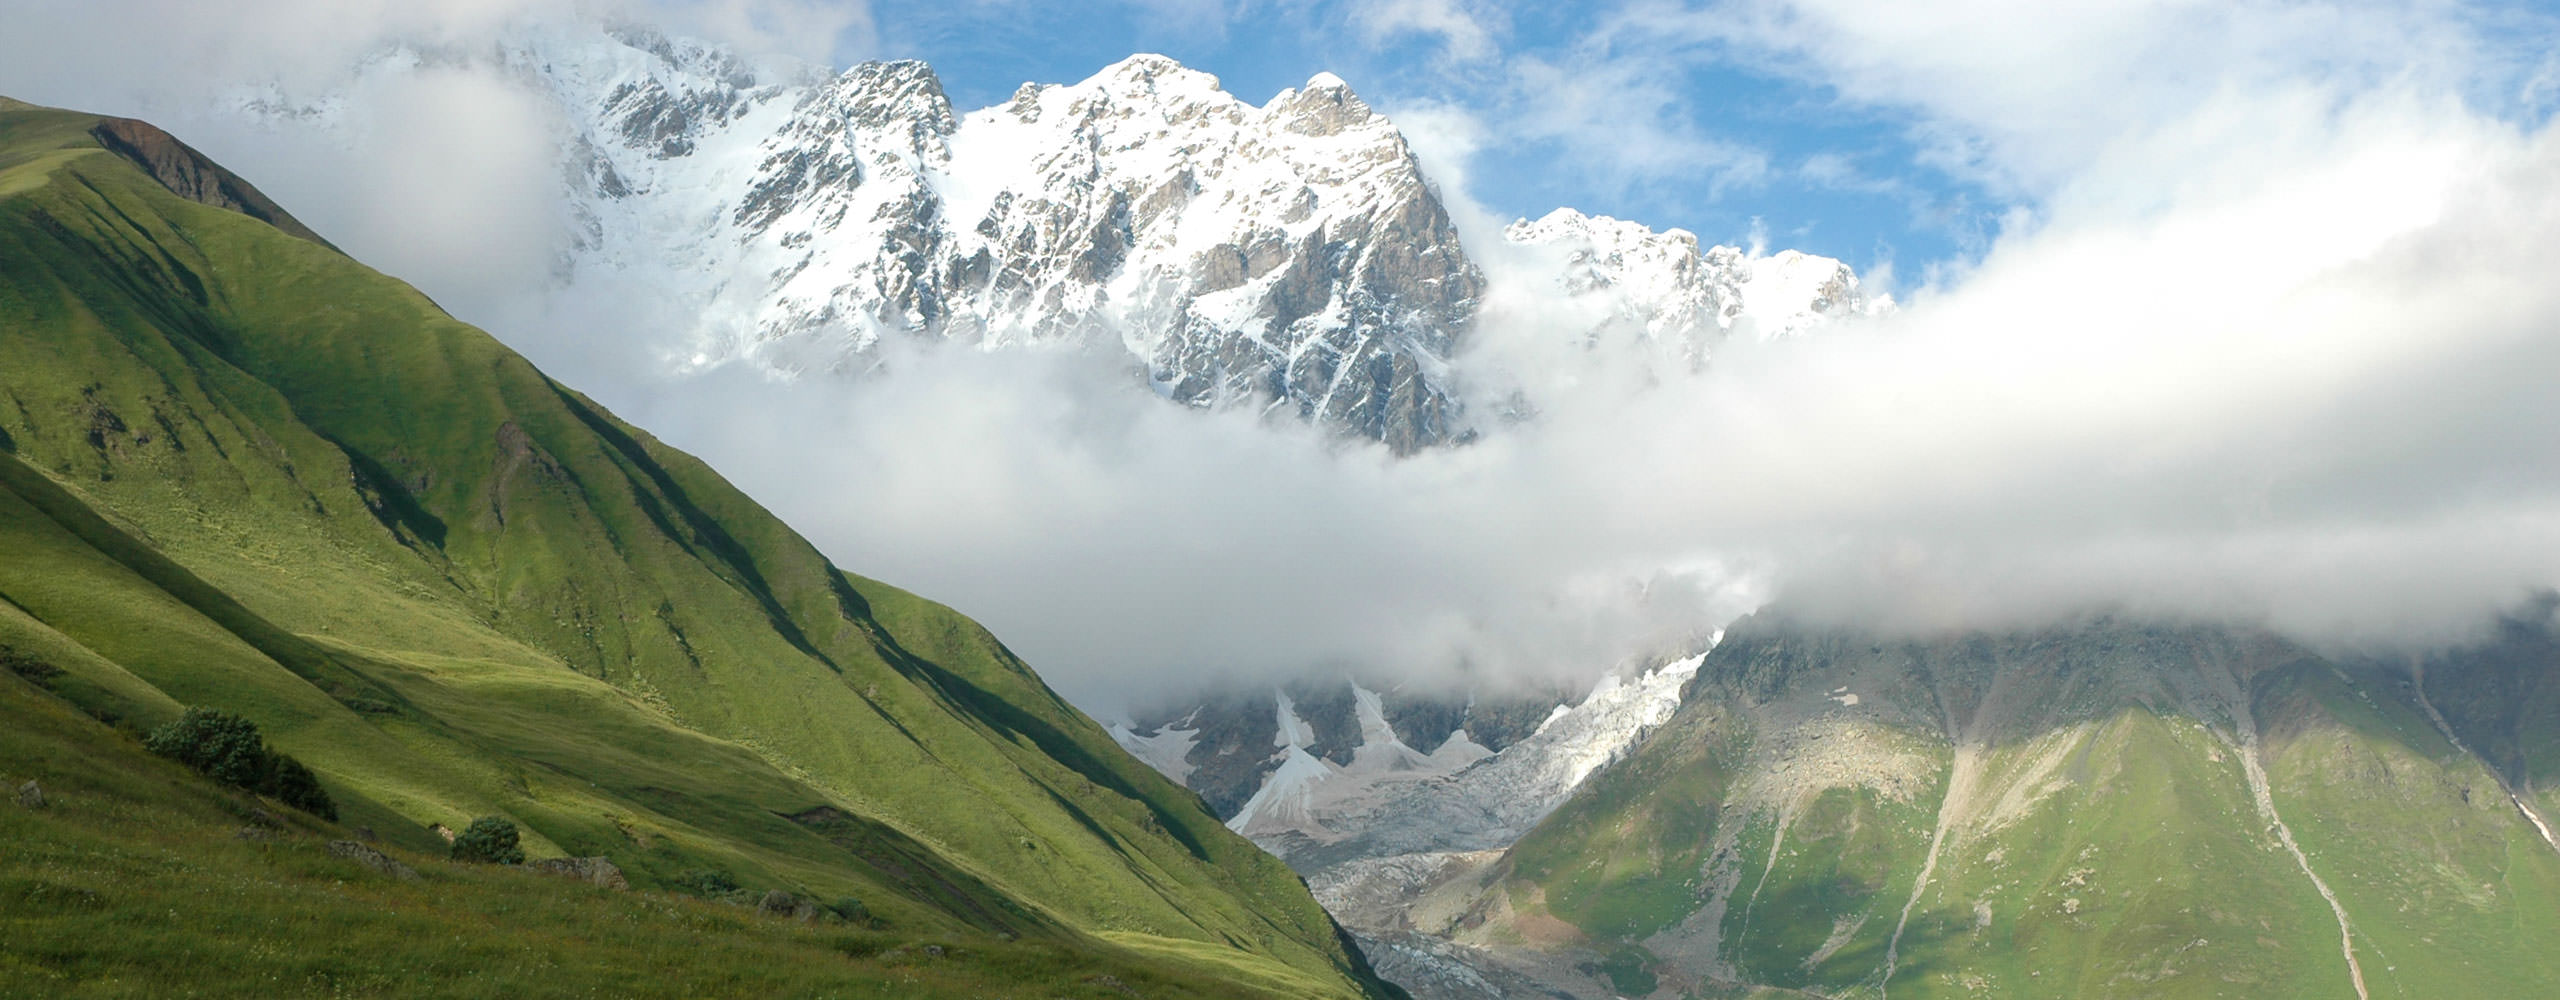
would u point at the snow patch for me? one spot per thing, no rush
(1167, 751)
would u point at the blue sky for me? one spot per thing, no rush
(1562, 104)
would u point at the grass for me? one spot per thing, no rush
(1621, 859)
(240, 470)
(2445, 883)
(2110, 846)
(134, 881)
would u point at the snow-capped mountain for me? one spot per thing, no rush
(1322, 796)
(1292, 253)
(1662, 287)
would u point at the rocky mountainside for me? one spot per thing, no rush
(1325, 774)
(1660, 289)
(2106, 808)
(1292, 254)
(1373, 796)
(240, 470)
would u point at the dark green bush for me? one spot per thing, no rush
(296, 786)
(850, 910)
(489, 840)
(710, 882)
(227, 748)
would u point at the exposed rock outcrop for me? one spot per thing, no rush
(373, 859)
(594, 871)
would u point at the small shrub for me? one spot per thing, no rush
(710, 882)
(227, 748)
(850, 910)
(296, 786)
(489, 840)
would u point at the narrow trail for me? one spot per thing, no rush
(2418, 686)
(2258, 790)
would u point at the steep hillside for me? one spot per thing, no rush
(123, 839)
(242, 470)
(2107, 809)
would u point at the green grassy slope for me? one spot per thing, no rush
(134, 881)
(242, 470)
(2095, 828)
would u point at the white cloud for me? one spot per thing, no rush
(413, 147)
(1467, 32)
(2024, 94)
(809, 30)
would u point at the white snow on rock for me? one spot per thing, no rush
(1664, 290)
(1293, 251)
(1392, 800)
(1306, 790)
(1166, 751)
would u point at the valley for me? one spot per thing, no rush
(1701, 621)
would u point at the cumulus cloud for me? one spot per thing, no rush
(2299, 384)
(392, 126)
(1466, 32)
(1126, 545)
(2025, 95)
(2299, 389)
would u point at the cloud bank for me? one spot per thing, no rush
(2268, 338)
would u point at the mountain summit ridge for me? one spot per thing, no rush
(1295, 253)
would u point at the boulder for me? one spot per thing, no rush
(31, 795)
(778, 903)
(371, 858)
(595, 871)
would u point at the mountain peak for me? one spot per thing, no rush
(1293, 252)
(1326, 106)
(1663, 285)
(1162, 77)
(187, 173)
(878, 95)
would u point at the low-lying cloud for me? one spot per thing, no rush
(2274, 350)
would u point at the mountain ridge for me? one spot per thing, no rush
(2100, 805)
(1294, 254)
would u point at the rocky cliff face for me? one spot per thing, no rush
(1327, 775)
(1292, 254)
